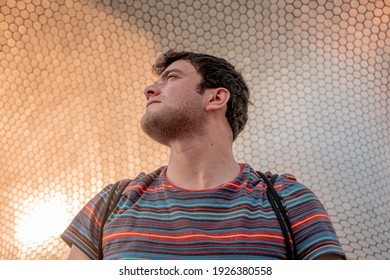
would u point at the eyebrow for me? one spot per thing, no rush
(167, 72)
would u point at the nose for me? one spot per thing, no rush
(152, 90)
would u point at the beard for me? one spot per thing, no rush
(172, 124)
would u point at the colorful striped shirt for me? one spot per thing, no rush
(155, 219)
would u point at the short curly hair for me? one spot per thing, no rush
(216, 72)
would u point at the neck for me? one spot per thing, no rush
(201, 163)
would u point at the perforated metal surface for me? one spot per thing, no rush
(71, 81)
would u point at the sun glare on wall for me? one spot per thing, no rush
(41, 220)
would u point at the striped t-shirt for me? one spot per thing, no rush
(155, 219)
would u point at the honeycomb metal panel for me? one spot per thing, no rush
(71, 81)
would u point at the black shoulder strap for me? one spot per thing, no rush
(109, 207)
(281, 214)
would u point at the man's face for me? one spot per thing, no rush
(174, 107)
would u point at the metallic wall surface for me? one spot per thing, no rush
(72, 74)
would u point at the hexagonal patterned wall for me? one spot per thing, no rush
(71, 80)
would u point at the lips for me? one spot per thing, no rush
(151, 102)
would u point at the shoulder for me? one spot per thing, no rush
(125, 187)
(288, 186)
(148, 178)
(314, 233)
(83, 232)
(142, 180)
(284, 182)
(312, 228)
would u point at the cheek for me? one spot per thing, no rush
(182, 95)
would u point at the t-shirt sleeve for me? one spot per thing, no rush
(83, 231)
(312, 228)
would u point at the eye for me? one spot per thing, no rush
(170, 76)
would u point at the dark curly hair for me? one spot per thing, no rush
(216, 72)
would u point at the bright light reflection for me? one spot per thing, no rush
(41, 221)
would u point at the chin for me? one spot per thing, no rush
(149, 128)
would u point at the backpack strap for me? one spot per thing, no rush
(109, 207)
(281, 214)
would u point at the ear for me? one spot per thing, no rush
(217, 99)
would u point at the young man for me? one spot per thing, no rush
(203, 204)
